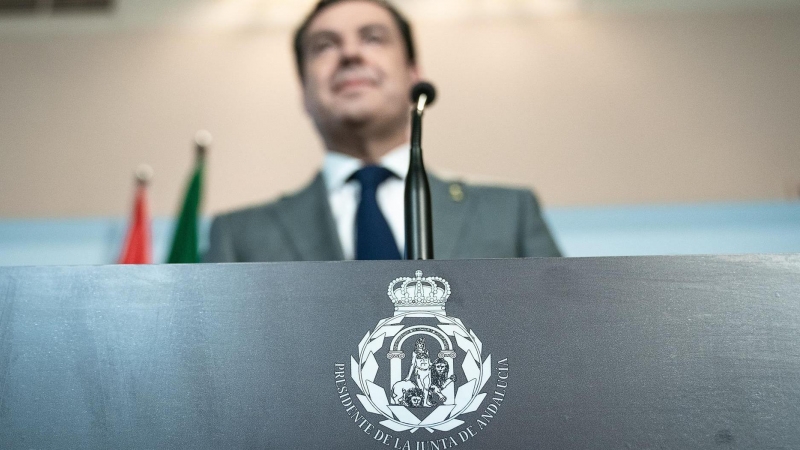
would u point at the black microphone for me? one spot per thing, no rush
(419, 221)
(423, 88)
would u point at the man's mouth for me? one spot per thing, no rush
(354, 78)
(352, 83)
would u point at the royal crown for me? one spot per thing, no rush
(418, 293)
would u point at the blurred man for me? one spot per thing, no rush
(357, 63)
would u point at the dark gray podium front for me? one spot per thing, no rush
(602, 353)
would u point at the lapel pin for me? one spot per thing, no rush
(456, 192)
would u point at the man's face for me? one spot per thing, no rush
(356, 68)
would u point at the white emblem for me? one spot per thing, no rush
(420, 368)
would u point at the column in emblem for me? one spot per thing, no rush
(395, 366)
(450, 390)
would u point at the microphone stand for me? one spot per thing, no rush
(419, 221)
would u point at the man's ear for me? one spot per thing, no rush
(302, 80)
(415, 73)
(304, 97)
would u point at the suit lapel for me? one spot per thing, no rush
(307, 220)
(449, 217)
(308, 223)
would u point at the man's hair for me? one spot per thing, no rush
(402, 24)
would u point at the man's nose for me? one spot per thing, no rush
(351, 52)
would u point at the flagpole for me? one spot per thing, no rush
(202, 140)
(184, 248)
(137, 247)
(143, 174)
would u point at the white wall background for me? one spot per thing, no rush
(592, 103)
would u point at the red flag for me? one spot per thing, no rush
(138, 243)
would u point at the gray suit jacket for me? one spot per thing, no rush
(486, 222)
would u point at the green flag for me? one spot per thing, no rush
(185, 241)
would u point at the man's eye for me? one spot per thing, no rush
(320, 46)
(374, 37)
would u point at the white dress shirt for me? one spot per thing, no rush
(344, 195)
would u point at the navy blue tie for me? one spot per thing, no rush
(374, 239)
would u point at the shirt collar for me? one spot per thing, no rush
(337, 167)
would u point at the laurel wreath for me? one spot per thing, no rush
(468, 397)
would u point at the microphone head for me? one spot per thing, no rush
(423, 87)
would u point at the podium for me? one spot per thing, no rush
(599, 353)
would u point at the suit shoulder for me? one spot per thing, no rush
(267, 209)
(487, 192)
(258, 232)
(247, 212)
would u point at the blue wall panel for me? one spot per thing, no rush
(715, 228)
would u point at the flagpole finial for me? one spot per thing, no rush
(143, 174)
(202, 140)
